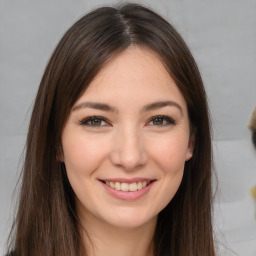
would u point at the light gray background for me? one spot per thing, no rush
(222, 37)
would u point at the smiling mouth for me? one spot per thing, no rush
(124, 186)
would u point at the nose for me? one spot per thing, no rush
(128, 151)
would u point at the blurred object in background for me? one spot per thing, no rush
(252, 127)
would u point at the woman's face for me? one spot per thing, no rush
(126, 141)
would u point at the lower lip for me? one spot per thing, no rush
(128, 195)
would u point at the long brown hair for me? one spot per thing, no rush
(46, 222)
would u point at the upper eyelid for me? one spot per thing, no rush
(165, 117)
(161, 116)
(83, 120)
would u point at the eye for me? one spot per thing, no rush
(94, 121)
(161, 121)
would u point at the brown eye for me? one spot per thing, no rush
(161, 121)
(94, 121)
(158, 121)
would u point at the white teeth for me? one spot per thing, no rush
(117, 186)
(133, 186)
(123, 186)
(139, 185)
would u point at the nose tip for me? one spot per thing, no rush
(129, 153)
(128, 161)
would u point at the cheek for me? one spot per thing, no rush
(170, 153)
(82, 155)
(170, 157)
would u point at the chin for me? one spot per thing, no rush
(131, 220)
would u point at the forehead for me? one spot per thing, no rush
(138, 74)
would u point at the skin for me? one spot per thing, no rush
(129, 142)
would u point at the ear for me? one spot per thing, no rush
(191, 145)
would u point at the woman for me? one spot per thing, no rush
(118, 153)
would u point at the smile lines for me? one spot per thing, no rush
(123, 186)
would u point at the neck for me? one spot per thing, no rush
(102, 239)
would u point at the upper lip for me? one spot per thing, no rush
(125, 180)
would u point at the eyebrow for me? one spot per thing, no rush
(162, 104)
(149, 107)
(95, 105)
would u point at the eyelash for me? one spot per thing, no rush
(165, 119)
(86, 121)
